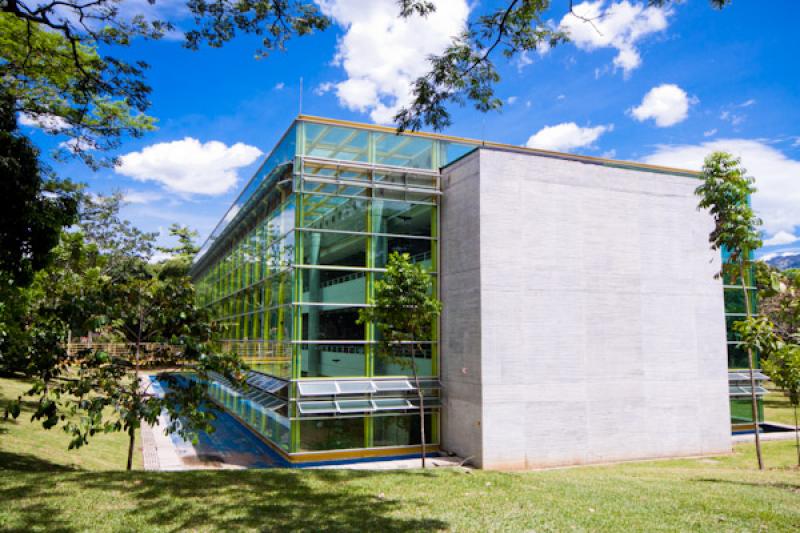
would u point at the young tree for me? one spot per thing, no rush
(783, 368)
(779, 299)
(725, 192)
(104, 282)
(404, 311)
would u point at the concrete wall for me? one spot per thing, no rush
(582, 320)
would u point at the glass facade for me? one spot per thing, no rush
(297, 255)
(295, 258)
(736, 310)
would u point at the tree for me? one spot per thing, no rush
(180, 256)
(779, 299)
(404, 311)
(465, 71)
(57, 78)
(725, 192)
(34, 208)
(783, 368)
(104, 282)
(125, 247)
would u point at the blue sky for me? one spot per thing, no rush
(663, 86)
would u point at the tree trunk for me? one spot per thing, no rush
(421, 404)
(796, 434)
(750, 366)
(131, 442)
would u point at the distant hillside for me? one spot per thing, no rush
(784, 262)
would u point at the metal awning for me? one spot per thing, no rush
(336, 387)
(265, 383)
(344, 407)
(744, 375)
(739, 390)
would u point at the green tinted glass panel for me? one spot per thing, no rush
(394, 366)
(331, 434)
(420, 250)
(334, 213)
(333, 286)
(331, 323)
(399, 430)
(335, 142)
(742, 411)
(340, 249)
(402, 218)
(734, 300)
(403, 151)
(332, 360)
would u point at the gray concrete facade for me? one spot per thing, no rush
(582, 322)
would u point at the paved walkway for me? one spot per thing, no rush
(776, 435)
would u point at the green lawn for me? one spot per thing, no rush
(41, 488)
(23, 441)
(777, 408)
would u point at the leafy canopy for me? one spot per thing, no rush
(725, 192)
(404, 309)
(59, 80)
(34, 205)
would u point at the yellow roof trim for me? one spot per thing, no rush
(501, 146)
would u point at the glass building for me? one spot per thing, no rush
(739, 375)
(287, 269)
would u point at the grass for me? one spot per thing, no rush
(25, 442)
(48, 491)
(777, 408)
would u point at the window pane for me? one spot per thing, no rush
(400, 430)
(336, 142)
(386, 365)
(737, 357)
(340, 249)
(734, 300)
(419, 249)
(403, 151)
(401, 218)
(334, 213)
(333, 286)
(331, 434)
(332, 360)
(327, 324)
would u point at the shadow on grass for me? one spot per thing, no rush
(264, 500)
(791, 487)
(23, 462)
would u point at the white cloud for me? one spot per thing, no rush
(777, 176)
(523, 60)
(621, 25)
(279, 86)
(324, 87)
(382, 53)
(780, 238)
(511, 100)
(49, 123)
(566, 137)
(141, 197)
(189, 166)
(747, 103)
(709, 133)
(666, 104)
(78, 145)
(733, 118)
